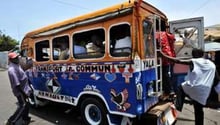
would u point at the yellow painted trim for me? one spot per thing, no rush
(83, 17)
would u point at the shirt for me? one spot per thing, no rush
(123, 43)
(199, 81)
(64, 54)
(18, 77)
(167, 45)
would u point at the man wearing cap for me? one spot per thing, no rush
(21, 90)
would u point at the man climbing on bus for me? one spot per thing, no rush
(198, 83)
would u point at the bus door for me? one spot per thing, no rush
(158, 110)
(189, 34)
(150, 27)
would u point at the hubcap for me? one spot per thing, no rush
(93, 114)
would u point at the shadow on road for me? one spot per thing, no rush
(57, 114)
(185, 119)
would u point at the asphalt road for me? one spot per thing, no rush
(56, 114)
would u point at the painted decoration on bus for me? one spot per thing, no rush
(57, 82)
(120, 99)
(72, 72)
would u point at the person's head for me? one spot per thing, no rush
(197, 53)
(13, 57)
(186, 33)
(63, 46)
(96, 40)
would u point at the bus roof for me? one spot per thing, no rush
(60, 26)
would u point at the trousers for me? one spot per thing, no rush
(168, 84)
(198, 108)
(22, 110)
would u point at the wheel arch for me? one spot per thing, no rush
(94, 95)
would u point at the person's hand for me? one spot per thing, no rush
(24, 94)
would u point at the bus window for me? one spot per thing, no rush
(148, 38)
(186, 40)
(120, 40)
(61, 48)
(42, 50)
(89, 44)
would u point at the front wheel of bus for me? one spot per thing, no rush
(93, 112)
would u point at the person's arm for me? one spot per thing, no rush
(15, 80)
(176, 60)
(18, 87)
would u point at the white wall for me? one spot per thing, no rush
(4, 59)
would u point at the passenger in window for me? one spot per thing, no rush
(95, 46)
(123, 45)
(64, 54)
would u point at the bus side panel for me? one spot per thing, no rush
(149, 77)
(118, 89)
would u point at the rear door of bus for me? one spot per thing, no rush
(189, 34)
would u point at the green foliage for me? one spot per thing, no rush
(6, 42)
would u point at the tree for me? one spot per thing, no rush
(6, 42)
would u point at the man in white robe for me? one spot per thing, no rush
(198, 83)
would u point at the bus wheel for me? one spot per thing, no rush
(93, 112)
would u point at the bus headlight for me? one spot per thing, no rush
(139, 109)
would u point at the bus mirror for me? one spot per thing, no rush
(26, 52)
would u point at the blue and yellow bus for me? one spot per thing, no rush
(104, 62)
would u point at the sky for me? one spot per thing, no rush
(19, 17)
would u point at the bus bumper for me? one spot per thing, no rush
(163, 113)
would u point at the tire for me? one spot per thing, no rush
(93, 112)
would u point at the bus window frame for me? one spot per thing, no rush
(69, 47)
(197, 22)
(109, 39)
(49, 54)
(87, 56)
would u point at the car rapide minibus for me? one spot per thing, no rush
(116, 82)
